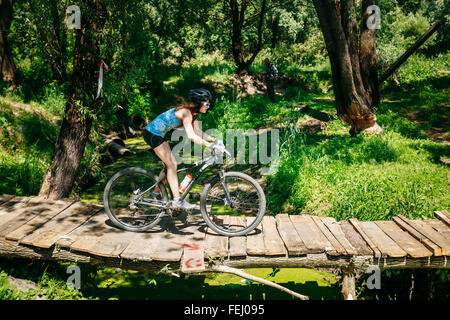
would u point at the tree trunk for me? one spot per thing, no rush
(237, 17)
(368, 57)
(353, 65)
(57, 44)
(275, 28)
(8, 70)
(77, 121)
(237, 48)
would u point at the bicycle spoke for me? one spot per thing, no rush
(229, 213)
(125, 201)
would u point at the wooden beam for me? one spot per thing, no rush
(409, 52)
(348, 284)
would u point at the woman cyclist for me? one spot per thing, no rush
(184, 115)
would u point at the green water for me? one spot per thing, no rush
(128, 284)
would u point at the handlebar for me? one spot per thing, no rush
(219, 146)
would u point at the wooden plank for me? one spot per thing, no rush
(357, 225)
(337, 232)
(405, 241)
(175, 238)
(85, 236)
(336, 245)
(193, 260)
(445, 213)
(216, 245)
(355, 239)
(291, 239)
(437, 226)
(440, 227)
(25, 213)
(111, 244)
(140, 246)
(12, 201)
(144, 246)
(383, 242)
(44, 212)
(309, 233)
(273, 244)
(5, 197)
(430, 245)
(435, 237)
(10, 208)
(443, 217)
(94, 225)
(62, 224)
(237, 244)
(255, 239)
(166, 248)
(113, 241)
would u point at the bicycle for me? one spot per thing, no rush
(231, 203)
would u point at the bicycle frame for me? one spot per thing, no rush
(208, 162)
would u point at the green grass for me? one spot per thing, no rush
(327, 173)
(49, 278)
(369, 177)
(26, 144)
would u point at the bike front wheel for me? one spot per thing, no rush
(127, 199)
(233, 205)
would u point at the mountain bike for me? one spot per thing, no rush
(231, 203)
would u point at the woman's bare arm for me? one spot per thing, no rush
(202, 134)
(191, 134)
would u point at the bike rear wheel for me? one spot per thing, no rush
(127, 206)
(234, 207)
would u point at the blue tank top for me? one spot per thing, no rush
(163, 123)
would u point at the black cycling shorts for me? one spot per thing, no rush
(153, 140)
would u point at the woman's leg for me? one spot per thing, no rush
(165, 154)
(161, 174)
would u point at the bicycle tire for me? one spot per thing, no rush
(107, 198)
(258, 217)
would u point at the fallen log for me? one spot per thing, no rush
(117, 146)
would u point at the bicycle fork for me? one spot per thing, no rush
(227, 199)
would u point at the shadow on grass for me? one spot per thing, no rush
(421, 112)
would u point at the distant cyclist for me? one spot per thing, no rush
(185, 116)
(270, 75)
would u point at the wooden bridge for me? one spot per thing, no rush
(68, 230)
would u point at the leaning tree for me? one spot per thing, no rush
(352, 52)
(81, 105)
(8, 70)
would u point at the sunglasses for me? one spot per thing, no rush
(206, 104)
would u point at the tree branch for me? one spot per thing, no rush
(242, 274)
